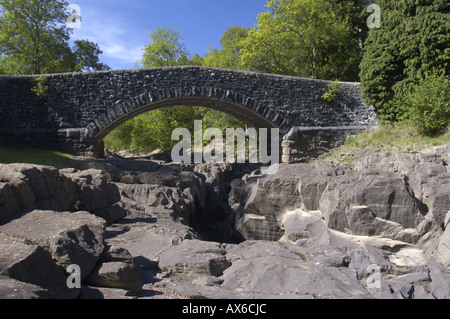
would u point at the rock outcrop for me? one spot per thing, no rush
(400, 196)
(26, 187)
(378, 229)
(44, 229)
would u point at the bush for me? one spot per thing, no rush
(428, 104)
(329, 95)
(41, 88)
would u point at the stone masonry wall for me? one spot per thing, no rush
(79, 109)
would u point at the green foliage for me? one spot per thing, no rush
(166, 49)
(229, 57)
(329, 95)
(153, 130)
(32, 34)
(311, 38)
(34, 39)
(428, 105)
(41, 88)
(389, 137)
(86, 56)
(413, 39)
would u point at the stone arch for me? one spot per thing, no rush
(246, 109)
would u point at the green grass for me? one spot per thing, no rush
(34, 156)
(386, 138)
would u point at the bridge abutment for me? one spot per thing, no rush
(305, 143)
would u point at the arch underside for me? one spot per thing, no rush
(246, 114)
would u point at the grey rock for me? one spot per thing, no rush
(442, 253)
(441, 205)
(102, 293)
(267, 197)
(362, 221)
(371, 203)
(112, 173)
(11, 289)
(95, 194)
(194, 257)
(9, 205)
(33, 265)
(117, 269)
(274, 269)
(388, 196)
(70, 238)
(112, 213)
(117, 275)
(305, 229)
(35, 187)
(151, 198)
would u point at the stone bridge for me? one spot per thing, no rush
(77, 110)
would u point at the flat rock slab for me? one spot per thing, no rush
(32, 265)
(274, 268)
(14, 289)
(70, 238)
(194, 257)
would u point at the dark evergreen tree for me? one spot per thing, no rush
(414, 39)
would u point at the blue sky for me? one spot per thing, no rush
(122, 28)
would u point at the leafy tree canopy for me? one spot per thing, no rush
(414, 39)
(166, 49)
(34, 39)
(311, 38)
(229, 57)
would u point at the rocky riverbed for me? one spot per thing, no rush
(148, 229)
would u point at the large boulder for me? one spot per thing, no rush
(260, 201)
(387, 195)
(195, 261)
(373, 203)
(162, 201)
(426, 172)
(33, 265)
(26, 187)
(70, 238)
(116, 269)
(95, 194)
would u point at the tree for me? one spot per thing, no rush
(229, 57)
(34, 39)
(414, 39)
(307, 38)
(33, 35)
(166, 49)
(153, 130)
(86, 56)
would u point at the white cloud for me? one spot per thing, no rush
(113, 35)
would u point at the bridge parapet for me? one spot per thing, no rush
(77, 110)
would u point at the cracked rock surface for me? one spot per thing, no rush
(145, 229)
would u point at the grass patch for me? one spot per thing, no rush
(386, 138)
(34, 156)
